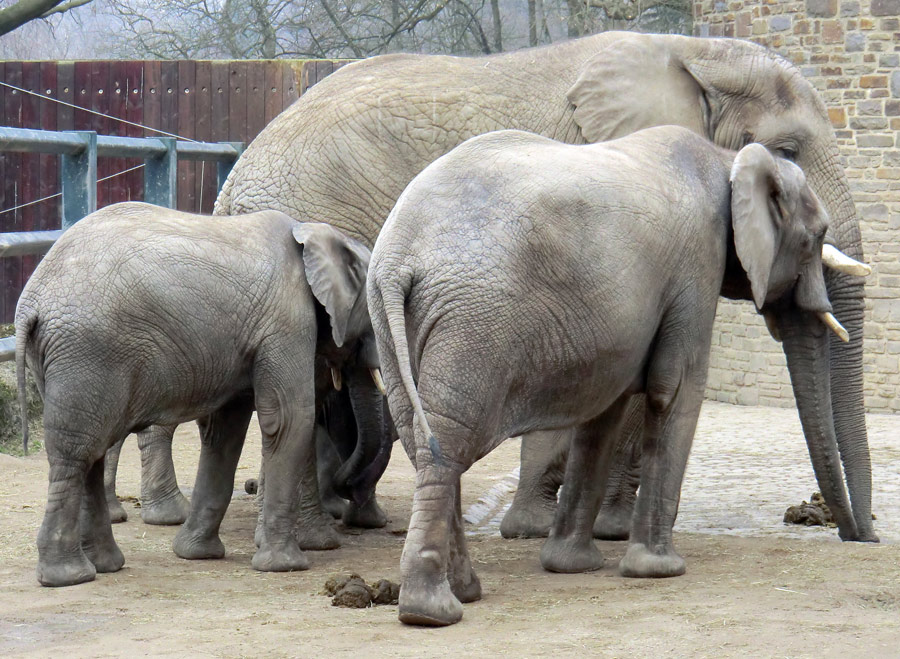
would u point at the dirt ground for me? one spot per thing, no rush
(753, 586)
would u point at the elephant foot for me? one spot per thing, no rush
(317, 534)
(570, 555)
(639, 561)
(466, 587)
(194, 546)
(334, 506)
(368, 516)
(435, 606)
(613, 523)
(282, 558)
(105, 558)
(529, 520)
(170, 511)
(117, 513)
(68, 572)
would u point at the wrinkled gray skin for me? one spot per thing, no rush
(524, 285)
(344, 152)
(348, 470)
(139, 316)
(350, 458)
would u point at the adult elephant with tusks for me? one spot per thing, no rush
(521, 284)
(345, 151)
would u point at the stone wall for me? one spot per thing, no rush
(850, 51)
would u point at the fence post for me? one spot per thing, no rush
(160, 176)
(79, 180)
(223, 169)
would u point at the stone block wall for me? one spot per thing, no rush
(850, 51)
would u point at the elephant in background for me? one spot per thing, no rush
(141, 315)
(524, 285)
(348, 147)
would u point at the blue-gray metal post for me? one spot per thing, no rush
(160, 176)
(223, 168)
(79, 180)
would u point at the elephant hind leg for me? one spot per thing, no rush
(97, 539)
(162, 502)
(437, 574)
(61, 560)
(76, 517)
(614, 519)
(117, 513)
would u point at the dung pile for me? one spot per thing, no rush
(814, 513)
(351, 591)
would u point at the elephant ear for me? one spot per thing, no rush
(336, 268)
(755, 215)
(637, 82)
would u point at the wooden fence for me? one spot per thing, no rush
(210, 101)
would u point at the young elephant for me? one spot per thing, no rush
(141, 315)
(521, 284)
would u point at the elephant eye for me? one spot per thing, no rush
(787, 153)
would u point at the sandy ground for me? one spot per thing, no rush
(753, 585)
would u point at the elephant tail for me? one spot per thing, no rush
(23, 331)
(394, 301)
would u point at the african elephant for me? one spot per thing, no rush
(347, 148)
(524, 285)
(140, 315)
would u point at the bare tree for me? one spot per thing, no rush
(265, 29)
(19, 13)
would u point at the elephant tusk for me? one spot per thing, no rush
(837, 260)
(336, 378)
(832, 323)
(376, 375)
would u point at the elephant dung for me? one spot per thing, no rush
(386, 592)
(814, 513)
(355, 594)
(351, 591)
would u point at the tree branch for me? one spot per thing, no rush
(25, 11)
(61, 9)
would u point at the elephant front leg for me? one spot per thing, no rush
(570, 547)
(673, 406)
(162, 502)
(222, 434)
(117, 513)
(313, 528)
(543, 460)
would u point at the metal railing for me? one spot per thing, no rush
(79, 151)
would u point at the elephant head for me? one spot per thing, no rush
(336, 268)
(736, 92)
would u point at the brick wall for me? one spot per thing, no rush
(850, 51)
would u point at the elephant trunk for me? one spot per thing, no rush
(806, 345)
(357, 476)
(847, 296)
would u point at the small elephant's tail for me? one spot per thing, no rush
(394, 301)
(23, 331)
